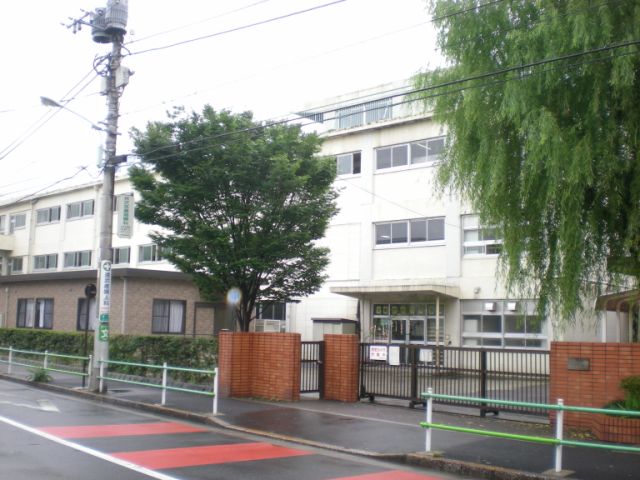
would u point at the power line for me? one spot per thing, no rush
(237, 29)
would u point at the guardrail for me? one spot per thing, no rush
(103, 364)
(558, 440)
(45, 361)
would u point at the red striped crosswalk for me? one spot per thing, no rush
(200, 455)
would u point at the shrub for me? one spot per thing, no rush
(39, 375)
(631, 387)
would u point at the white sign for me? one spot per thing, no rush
(105, 288)
(394, 355)
(125, 215)
(378, 352)
(426, 355)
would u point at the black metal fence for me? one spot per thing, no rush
(405, 371)
(311, 362)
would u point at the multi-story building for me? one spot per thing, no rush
(408, 264)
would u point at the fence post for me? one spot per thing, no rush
(46, 359)
(164, 383)
(559, 428)
(413, 354)
(215, 391)
(101, 387)
(483, 381)
(429, 411)
(87, 372)
(10, 359)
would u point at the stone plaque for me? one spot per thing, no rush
(578, 364)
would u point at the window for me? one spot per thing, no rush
(349, 163)
(503, 326)
(415, 153)
(271, 317)
(121, 255)
(15, 265)
(3, 224)
(168, 316)
(17, 222)
(478, 240)
(409, 232)
(48, 215)
(406, 323)
(35, 313)
(150, 253)
(81, 319)
(77, 259)
(45, 262)
(369, 112)
(378, 110)
(80, 209)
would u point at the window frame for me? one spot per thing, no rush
(78, 256)
(117, 254)
(271, 317)
(49, 211)
(48, 257)
(408, 242)
(82, 207)
(41, 309)
(12, 263)
(81, 313)
(155, 318)
(13, 220)
(471, 223)
(351, 156)
(408, 148)
(3, 224)
(156, 253)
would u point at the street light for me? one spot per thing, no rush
(48, 102)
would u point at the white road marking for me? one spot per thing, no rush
(47, 406)
(44, 405)
(88, 451)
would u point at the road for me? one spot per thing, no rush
(46, 435)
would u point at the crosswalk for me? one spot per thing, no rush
(228, 453)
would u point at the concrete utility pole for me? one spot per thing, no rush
(107, 26)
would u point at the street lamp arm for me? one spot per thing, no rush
(48, 102)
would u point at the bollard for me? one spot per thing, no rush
(10, 360)
(215, 391)
(164, 384)
(101, 385)
(429, 418)
(559, 426)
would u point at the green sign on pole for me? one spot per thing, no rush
(103, 332)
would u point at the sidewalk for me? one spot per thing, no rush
(383, 430)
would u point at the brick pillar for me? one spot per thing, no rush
(341, 364)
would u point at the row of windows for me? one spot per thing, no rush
(82, 259)
(422, 152)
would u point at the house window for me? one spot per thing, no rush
(407, 323)
(80, 209)
(45, 262)
(150, 253)
(121, 255)
(77, 259)
(3, 224)
(81, 318)
(35, 313)
(414, 153)
(349, 163)
(16, 265)
(410, 232)
(17, 222)
(271, 317)
(168, 316)
(479, 240)
(48, 215)
(498, 324)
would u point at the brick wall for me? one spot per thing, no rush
(263, 365)
(341, 363)
(600, 384)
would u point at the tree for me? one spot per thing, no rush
(540, 100)
(240, 204)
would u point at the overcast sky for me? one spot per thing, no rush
(272, 69)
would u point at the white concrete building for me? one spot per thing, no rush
(407, 264)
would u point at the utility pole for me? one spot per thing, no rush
(108, 25)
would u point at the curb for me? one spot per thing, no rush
(432, 461)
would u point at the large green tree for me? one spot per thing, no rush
(541, 102)
(240, 204)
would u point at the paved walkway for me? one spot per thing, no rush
(390, 431)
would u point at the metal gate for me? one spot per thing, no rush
(405, 371)
(311, 367)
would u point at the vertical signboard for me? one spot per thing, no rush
(125, 215)
(105, 300)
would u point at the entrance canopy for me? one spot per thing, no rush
(618, 302)
(406, 291)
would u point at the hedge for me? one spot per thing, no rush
(198, 353)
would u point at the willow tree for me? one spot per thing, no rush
(240, 204)
(541, 102)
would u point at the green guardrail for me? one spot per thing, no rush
(103, 364)
(558, 441)
(11, 361)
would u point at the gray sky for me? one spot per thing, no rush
(272, 69)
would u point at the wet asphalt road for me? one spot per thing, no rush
(49, 436)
